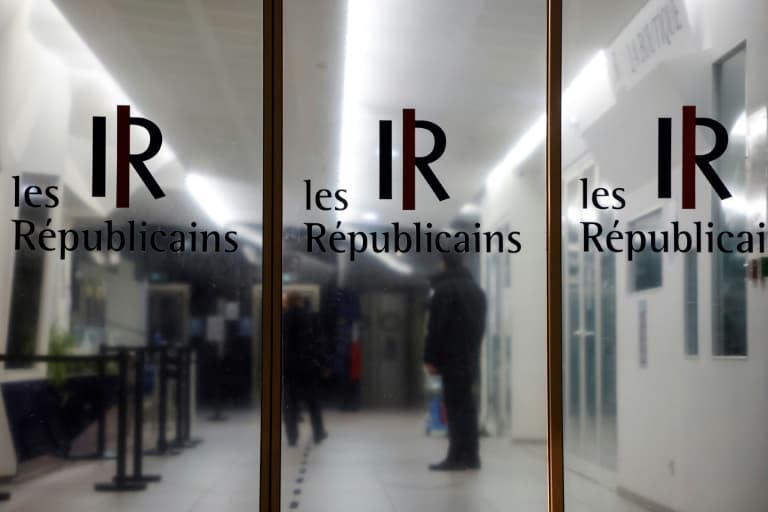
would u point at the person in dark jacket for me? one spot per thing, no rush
(303, 364)
(454, 335)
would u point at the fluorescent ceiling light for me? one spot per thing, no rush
(250, 255)
(57, 39)
(753, 127)
(370, 217)
(741, 205)
(578, 97)
(522, 149)
(250, 235)
(758, 124)
(739, 128)
(589, 90)
(203, 190)
(361, 17)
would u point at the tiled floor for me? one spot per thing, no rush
(220, 475)
(377, 462)
(371, 462)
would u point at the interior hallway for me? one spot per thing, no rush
(377, 462)
(221, 474)
(371, 461)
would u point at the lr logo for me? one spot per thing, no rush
(690, 158)
(410, 160)
(124, 157)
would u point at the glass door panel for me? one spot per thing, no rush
(130, 154)
(664, 157)
(412, 130)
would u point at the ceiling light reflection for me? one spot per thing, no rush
(203, 190)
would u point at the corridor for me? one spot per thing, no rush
(373, 461)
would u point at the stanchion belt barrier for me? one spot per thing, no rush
(121, 480)
(100, 361)
(164, 362)
(172, 366)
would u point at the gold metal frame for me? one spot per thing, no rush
(555, 458)
(270, 470)
(272, 240)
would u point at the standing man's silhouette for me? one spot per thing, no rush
(304, 360)
(455, 331)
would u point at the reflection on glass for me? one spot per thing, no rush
(28, 269)
(730, 307)
(130, 303)
(662, 302)
(646, 270)
(370, 93)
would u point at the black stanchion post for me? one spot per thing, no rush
(101, 434)
(162, 406)
(120, 482)
(188, 364)
(217, 412)
(178, 394)
(162, 447)
(138, 422)
(184, 401)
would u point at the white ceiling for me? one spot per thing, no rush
(475, 68)
(194, 68)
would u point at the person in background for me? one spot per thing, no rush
(303, 366)
(452, 350)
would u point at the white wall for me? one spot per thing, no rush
(384, 343)
(126, 301)
(692, 432)
(518, 202)
(46, 104)
(37, 136)
(34, 135)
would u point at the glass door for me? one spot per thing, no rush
(130, 164)
(590, 343)
(664, 219)
(414, 212)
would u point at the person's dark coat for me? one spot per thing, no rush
(303, 347)
(304, 358)
(456, 323)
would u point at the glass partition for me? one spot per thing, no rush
(130, 158)
(413, 256)
(664, 159)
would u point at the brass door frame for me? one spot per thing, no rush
(271, 387)
(555, 462)
(270, 469)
